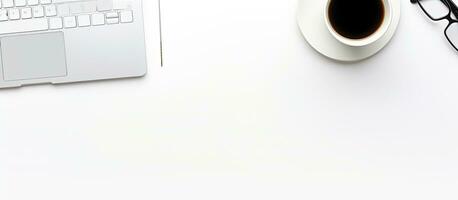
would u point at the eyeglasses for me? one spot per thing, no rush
(438, 10)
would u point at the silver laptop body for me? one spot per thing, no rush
(63, 41)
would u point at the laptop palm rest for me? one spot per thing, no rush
(35, 56)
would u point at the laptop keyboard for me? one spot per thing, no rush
(18, 16)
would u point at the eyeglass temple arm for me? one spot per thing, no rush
(453, 7)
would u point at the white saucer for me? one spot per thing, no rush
(313, 26)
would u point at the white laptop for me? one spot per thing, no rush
(63, 41)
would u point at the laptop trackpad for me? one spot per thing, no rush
(33, 56)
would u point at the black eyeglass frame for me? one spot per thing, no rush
(452, 9)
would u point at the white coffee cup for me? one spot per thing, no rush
(381, 31)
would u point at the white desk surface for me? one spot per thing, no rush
(243, 109)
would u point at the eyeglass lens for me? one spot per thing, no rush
(452, 34)
(436, 9)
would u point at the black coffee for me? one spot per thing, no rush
(356, 19)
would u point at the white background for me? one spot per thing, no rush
(243, 109)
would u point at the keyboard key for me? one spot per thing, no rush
(45, 1)
(26, 25)
(98, 19)
(32, 2)
(7, 3)
(63, 10)
(75, 8)
(3, 15)
(55, 23)
(13, 14)
(84, 20)
(112, 20)
(20, 3)
(50, 10)
(89, 7)
(121, 5)
(112, 15)
(26, 13)
(70, 22)
(104, 5)
(127, 17)
(38, 11)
